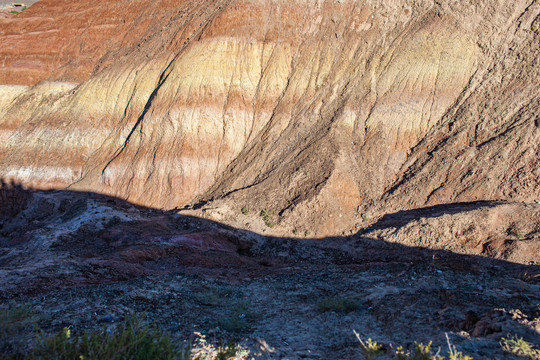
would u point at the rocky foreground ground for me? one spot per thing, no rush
(279, 174)
(87, 261)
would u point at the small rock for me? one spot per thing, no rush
(308, 354)
(485, 327)
(471, 318)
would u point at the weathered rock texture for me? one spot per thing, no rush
(321, 111)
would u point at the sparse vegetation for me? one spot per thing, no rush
(238, 320)
(130, 340)
(13, 319)
(338, 304)
(528, 277)
(519, 347)
(226, 352)
(514, 230)
(234, 324)
(267, 217)
(457, 355)
(215, 296)
(434, 260)
(210, 297)
(15, 322)
(423, 352)
(393, 140)
(371, 350)
(18, 11)
(54, 245)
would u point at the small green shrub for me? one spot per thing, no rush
(130, 340)
(245, 210)
(14, 318)
(227, 352)
(209, 297)
(338, 304)
(13, 12)
(421, 352)
(16, 324)
(528, 277)
(238, 320)
(453, 354)
(267, 217)
(55, 244)
(457, 355)
(519, 347)
(371, 349)
(234, 324)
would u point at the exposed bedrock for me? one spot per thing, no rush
(317, 110)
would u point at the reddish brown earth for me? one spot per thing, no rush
(381, 106)
(273, 145)
(67, 40)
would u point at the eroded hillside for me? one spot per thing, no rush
(321, 112)
(275, 173)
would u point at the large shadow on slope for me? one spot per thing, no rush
(64, 238)
(403, 217)
(75, 254)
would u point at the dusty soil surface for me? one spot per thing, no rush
(86, 261)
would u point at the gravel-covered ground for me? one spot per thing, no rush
(86, 262)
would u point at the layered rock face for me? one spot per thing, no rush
(321, 111)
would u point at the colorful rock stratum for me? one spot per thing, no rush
(299, 105)
(411, 122)
(295, 104)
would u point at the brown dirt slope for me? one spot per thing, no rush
(322, 113)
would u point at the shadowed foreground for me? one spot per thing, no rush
(87, 260)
